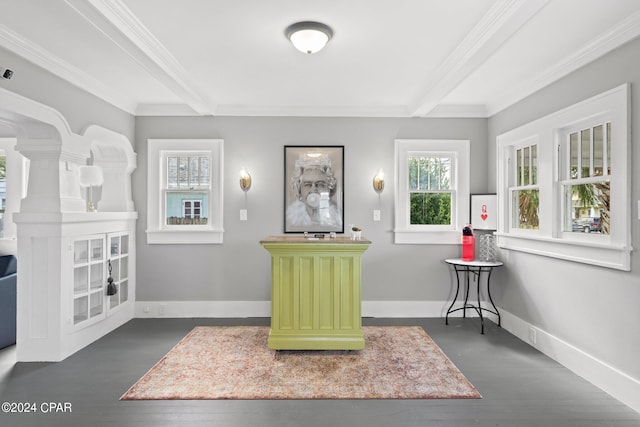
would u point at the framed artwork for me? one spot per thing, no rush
(313, 189)
(484, 211)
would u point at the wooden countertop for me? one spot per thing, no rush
(301, 239)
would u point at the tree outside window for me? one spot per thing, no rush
(430, 190)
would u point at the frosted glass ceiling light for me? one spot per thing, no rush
(308, 36)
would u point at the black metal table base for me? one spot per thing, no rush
(477, 272)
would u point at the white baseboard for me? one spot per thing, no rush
(154, 309)
(618, 384)
(159, 309)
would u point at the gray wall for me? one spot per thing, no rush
(239, 269)
(594, 309)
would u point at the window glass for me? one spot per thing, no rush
(534, 164)
(430, 208)
(430, 190)
(186, 208)
(525, 205)
(587, 198)
(185, 203)
(598, 153)
(525, 195)
(585, 144)
(573, 155)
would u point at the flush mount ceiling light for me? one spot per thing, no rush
(309, 36)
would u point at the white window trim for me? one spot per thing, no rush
(157, 233)
(459, 150)
(612, 251)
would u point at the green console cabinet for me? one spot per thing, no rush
(315, 293)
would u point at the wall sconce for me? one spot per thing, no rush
(245, 180)
(91, 176)
(378, 182)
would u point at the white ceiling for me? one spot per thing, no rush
(387, 58)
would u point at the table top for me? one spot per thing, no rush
(474, 263)
(341, 239)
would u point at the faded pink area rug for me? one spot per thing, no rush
(234, 363)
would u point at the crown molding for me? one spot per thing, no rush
(619, 34)
(34, 53)
(458, 111)
(312, 111)
(120, 25)
(503, 20)
(165, 110)
(440, 111)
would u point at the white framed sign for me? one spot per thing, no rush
(484, 212)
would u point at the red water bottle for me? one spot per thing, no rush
(468, 244)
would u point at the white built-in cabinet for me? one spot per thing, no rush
(96, 258)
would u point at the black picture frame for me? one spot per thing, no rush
(313, 188)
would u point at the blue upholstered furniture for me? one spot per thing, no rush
(8, 280)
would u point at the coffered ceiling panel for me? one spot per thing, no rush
(387, 58)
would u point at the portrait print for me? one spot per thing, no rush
(314, 182)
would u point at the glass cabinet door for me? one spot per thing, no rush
(119, 260)
(95, 259)
(88, 278)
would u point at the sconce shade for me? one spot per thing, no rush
(378, 182)
(90, 176)
(309, 36)
(245, 180)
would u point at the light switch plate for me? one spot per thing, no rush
(243, 214)
(376, 215)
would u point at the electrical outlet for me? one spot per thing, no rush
(376, 215)
(243, 214)
(163, 309)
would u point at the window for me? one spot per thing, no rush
(192, 210)
(524, 193)
(564, 183)
(185, 191)
(187, 187)
(585, 178)
(429, 189)
(432, 190)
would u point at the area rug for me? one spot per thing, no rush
(235, 363)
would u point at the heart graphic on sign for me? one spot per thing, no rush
(484, 216)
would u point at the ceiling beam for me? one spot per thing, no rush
(501, 22)
(113, 19)
(619, 34)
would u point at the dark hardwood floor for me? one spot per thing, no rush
(520, 386)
